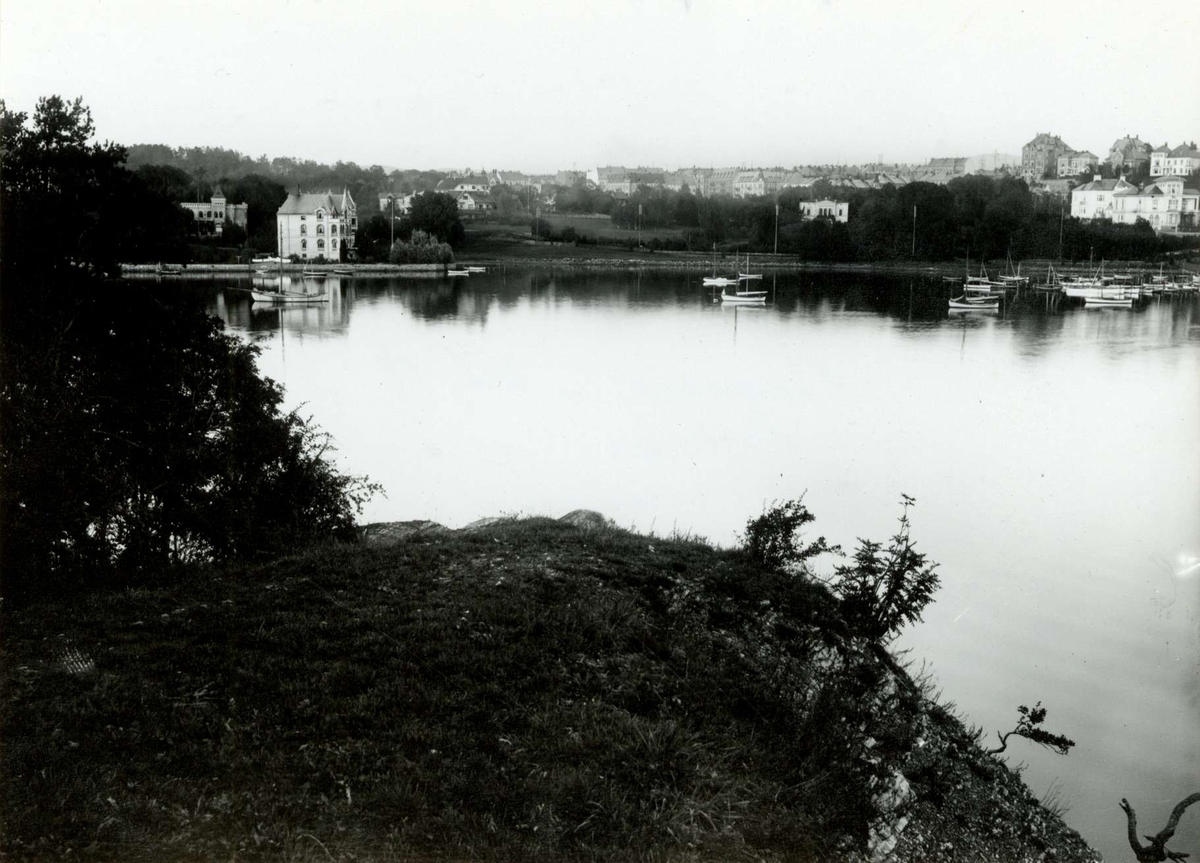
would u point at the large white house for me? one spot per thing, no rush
(313, 225)
(1177, 162)
(1096, 200)
(1164, 203)
(838, 211)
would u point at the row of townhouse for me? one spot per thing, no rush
(1127, 154)
(1164, 202)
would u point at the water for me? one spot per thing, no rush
(1053, 455)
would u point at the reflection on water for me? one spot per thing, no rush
(1052, 450)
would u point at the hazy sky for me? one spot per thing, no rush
(537, 86)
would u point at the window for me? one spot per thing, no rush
(304, 244)
(303, 230)
(320, 214)
(320, 229)
(333, 228)
(333, 244)
(320, 244)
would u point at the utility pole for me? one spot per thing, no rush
(914, 241)
(1062, 210)
(777, 225)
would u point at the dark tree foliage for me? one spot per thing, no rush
(69, 202)
(436, 213)
(135, 433)
(373, 240)
(262, 197)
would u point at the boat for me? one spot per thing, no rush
(746, 276)
(1013, 278)
(962, 304)
(169, 270)
(746, 298)
(267, 259)
(260, 296)
(715, 281)
(476, 269)
(314, 274)
(458, 272)
(343, 271)
(1112, 302)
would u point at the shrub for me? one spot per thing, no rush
(138, 434)
(885, 588)
(774, 540)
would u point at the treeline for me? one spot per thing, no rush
(973, 216)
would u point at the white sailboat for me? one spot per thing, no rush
(746, 276)
(715, 281)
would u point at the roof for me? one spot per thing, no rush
(1184, 150)
(309, 202)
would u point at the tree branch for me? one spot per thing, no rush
(1156, 851)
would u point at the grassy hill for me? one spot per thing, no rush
(524, 689)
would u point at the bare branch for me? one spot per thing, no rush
(1156, 851)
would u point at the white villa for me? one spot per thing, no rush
(1164, 203)
(313, 225)
(1178, 162)
(216, 211)
(838, 211)
(1095, 200)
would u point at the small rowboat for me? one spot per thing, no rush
(287, 297)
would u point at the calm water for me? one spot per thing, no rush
(1053, 454)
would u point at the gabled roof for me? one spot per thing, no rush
(309, 202)
(1184, 150)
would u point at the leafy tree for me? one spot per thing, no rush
(263, 198)
(437, 213)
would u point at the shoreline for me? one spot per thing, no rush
(666, 261)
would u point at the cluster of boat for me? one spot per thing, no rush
(742, 294)
(1095, 288)
(279, 295)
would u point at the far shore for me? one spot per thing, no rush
(563, 255)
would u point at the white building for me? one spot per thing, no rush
(749, 184)
(466, 183)
(838, 211)
(1095, 200)
(216, 211)
(314, 225)
(1178, 162)
(1165, 204)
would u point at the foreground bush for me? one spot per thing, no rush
(138, 434)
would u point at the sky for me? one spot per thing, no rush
(541, 86)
